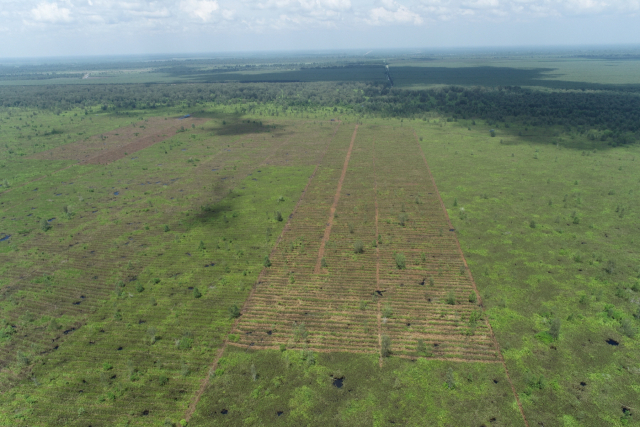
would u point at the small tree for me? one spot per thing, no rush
(401, 261)
(358, 247)
(278, 216)
(473, 297)
(402, 219)
(44, 225)
(323, 263)
(267, 261)
(385, 346)
(387, 311)
(300, 332)
(450, 379)
(196, 293)
(554, 330)
(234, 311)
(451, 298)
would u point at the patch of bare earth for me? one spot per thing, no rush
(110, 146)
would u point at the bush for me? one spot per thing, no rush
(139, 287)
(300, 332)
(402, 219)
(323, 263)
(196, 293)
(554, 330)
(385, 346)
(532, 224)
(358, 247)
(44, 225)
(162, 380)
(401, 261)
(278, 216)
(473, 297)
(628, 328)
(451, 298)
(267, 261)
(234, 311)
(450, 379)
(387, 311)
(166, 228)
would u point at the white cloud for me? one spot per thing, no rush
(393, 13)
(51, 13)
(201, 9)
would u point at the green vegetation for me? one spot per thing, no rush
(123, 276)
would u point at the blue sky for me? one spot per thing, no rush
(105, 27)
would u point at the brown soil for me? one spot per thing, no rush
(110, 146)
(332, 211)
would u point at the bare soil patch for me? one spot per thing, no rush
(110, 146)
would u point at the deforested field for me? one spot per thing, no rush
(242, 267)
(369, 252)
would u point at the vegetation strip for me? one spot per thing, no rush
(336, 198)
(221, 350)
(495, 341)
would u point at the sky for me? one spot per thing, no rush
(37, 28)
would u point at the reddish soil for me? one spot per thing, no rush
(336, 199)
(110, 146)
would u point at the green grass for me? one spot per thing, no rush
(559, 269)
(135, 282)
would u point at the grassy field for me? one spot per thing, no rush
(220, 265)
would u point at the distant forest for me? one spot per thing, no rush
(608, 116)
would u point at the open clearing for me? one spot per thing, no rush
(385, 200)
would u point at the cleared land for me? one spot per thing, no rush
(408, 281)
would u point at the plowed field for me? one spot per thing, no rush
(372, 189)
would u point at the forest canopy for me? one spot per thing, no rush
(608, 116)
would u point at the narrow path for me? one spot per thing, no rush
(332, 211)
(473, 282)
(375, 200)
(205, 382)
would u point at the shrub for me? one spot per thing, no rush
(610, 267)
(385, 346)
(554, 330)
(300, 332)
(278, 216)
(196, 293)
(151, 333)
(358, 247)
(323, 263)
(532, 224)
(254, 372)
(628, 328)
(234, 311)
(421, 348)
(267, 261)
(402, 219)
(450, 379)
(162, 380)
(401, 261)
(44, 225)
(473, 297)
(387, 311)
(139, 287)
(166, 228)
(455, 202)
(451, 298)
